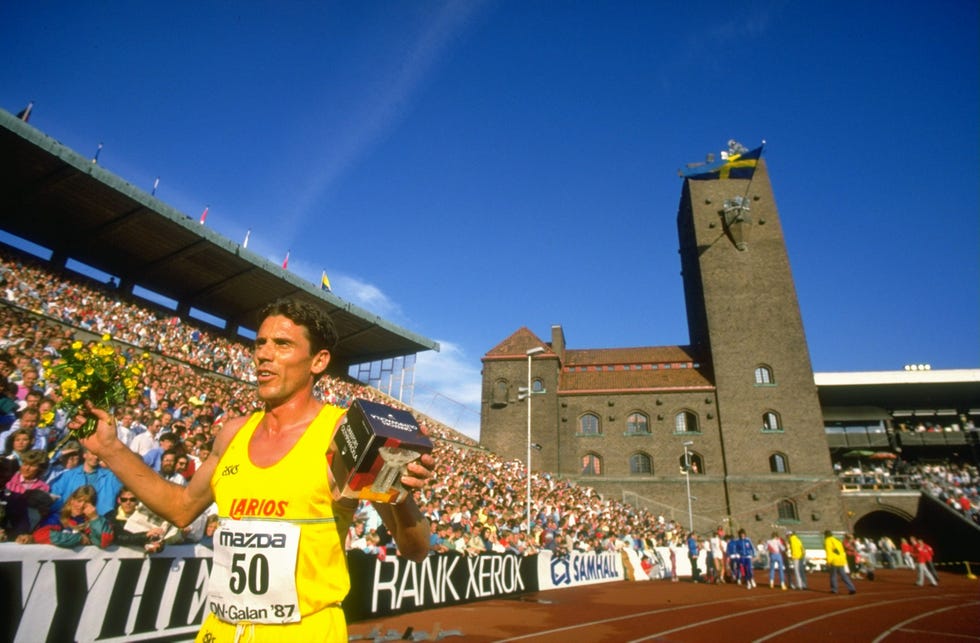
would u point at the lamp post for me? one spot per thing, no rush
(687, 476)
(530, 353)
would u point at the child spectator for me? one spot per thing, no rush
(79, 524)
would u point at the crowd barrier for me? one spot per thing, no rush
(115, 595)
(110, 596)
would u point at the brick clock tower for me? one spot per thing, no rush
(744, 315)
(741, 397)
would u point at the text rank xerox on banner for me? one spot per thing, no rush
(397, 585)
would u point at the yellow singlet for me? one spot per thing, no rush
(295, 490)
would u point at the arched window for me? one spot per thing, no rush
(588, 424)
(778, 463)
(787, 510)
(640, 463)
(763, 375)
(537, 386)
(500, 393)
(591, 465)
(686, 422)
(771, 421)
(696, 463)
(637, 423)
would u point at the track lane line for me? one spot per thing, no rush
(897, 626)
(615, 619)
(845, 611)
(729, 616)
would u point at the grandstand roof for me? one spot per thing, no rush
(924, 392)
(58, 199)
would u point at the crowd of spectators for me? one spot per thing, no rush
(964, 423)
(956, 485)
(197, 379)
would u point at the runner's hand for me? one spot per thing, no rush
(418, 472)
(105, 431)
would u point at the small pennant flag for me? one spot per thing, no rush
(25, 114)
(156, 184)
(248, 233)
(324, 282)
(285, 262)
(95, 159)
(204, 215)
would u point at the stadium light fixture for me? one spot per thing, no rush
(527, 394)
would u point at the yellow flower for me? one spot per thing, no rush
(106, 337)
(76, 345)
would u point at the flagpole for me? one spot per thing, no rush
(25, 114)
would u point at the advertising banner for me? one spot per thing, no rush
(578, 568)
(396, 585)
(51, 594)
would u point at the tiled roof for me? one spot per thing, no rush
(517, 344)
(602, 370)
(633, 369)
(645, 379)
(641, 355)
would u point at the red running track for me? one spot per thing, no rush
(890, 609)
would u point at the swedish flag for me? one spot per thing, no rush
(324, 282)
(736, 166)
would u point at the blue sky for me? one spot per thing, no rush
(467, 168)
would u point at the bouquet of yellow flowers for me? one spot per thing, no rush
(98, 373)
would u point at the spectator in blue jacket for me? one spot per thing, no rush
(92, 473)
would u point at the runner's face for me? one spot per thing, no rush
(283, 363)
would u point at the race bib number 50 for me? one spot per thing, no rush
(253, 576)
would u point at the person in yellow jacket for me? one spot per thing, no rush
(797, 559)
(279, 571)
(836, 562)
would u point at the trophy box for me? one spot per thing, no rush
(371, 450)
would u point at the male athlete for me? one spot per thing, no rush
(279, 570)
